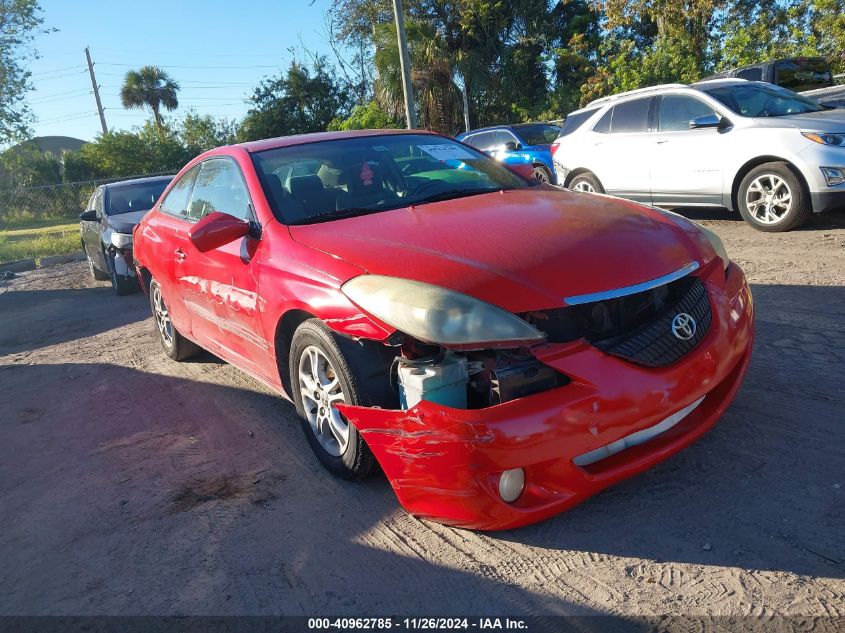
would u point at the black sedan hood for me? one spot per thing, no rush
(125, 222)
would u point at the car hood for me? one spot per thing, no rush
(522, 250)
(125, 222)
(825, 121)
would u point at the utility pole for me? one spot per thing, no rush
(466, 101)
(405, 65)
(96, 91)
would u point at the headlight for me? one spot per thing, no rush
(121, 240)
(437, 315)
(823, 138)
(716, 243)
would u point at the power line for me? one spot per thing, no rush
(194, 67)
(55, 70)
(80, 72)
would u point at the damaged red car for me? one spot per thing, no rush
(501, 348)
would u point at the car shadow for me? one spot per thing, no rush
(817, 222)
(58, 316)
(764, 489)
(130, 492)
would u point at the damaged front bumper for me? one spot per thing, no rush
(445, 463)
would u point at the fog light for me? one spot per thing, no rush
(511, 484)
(833, 176)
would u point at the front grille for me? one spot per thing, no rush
(635, 327)
(655, 344)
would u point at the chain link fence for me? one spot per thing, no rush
(47, 202)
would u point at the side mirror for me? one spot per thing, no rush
(522, 169)
(510, 146)
(217, 229)
(88, 216)
(708, 120)
(829, 105)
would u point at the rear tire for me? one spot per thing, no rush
(176, 346)
(319, 377)
(542, 174)
(96, 273)
(586, 182)
(772, 198)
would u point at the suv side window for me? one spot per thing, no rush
(630, 116)
(676, 111)
(219, 187)
(574, 121)
(751, 74)
(484, 141)
(505, 136)
(603, 126)
(176, 200)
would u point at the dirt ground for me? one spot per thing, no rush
(130, 484)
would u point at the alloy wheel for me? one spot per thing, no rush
(541, 174)
(584, 186)
(162, 317)
(768, 198)
(320, 391)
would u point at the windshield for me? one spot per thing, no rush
(329, 180)
(538, 133)
(139, 197)
(763, 100)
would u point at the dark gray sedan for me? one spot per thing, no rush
(106, 228)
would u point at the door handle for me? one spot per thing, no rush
(660, 141)
(180, 255)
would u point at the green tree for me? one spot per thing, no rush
(145, 151)
(300, 100)
(20, 21)
(200, 133)
(150, 87)
(365, 117)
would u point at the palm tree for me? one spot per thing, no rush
(432, 75)
(149, 87)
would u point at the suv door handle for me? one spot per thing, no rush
(180, 255)
(660, 141)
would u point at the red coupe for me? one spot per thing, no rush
(502, 348)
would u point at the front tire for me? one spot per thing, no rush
(120, 284)
(772, 198)
(586, 182)
(320, 377)
(176, 346)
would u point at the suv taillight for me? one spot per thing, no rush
(554, 148)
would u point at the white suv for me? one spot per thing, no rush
(774, 155)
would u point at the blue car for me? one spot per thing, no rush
(520, 144)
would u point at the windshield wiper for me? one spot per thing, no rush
(328, 216)
(452, 195)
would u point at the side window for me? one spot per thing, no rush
(505, 136)
(96, 202)
(176, 201)
(484, 141)
(751, 74)
(603, 126)
(574, 121)
(219, 187)
(631, 116)
(470, 140)
(676, 111)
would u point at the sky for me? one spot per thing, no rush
(216, 50)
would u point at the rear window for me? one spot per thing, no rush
(575, 121)
(139, 197)
(803, 74)
(537, 133)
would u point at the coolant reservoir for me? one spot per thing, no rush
(444, 382)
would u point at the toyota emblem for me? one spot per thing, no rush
(683, 326)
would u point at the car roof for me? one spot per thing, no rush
(504, 126)
(137, 181)
(316, 137)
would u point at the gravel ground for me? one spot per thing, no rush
(130, 484)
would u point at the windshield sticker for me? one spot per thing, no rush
(447, 151)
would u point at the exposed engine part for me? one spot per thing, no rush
(441, 379)
(498, 377)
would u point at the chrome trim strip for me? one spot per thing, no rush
(635, 439)
(683, 271)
